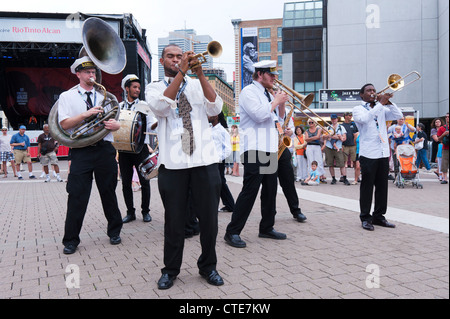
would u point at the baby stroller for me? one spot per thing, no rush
(408, 172)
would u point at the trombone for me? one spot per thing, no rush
(305, 102)
(397, 83)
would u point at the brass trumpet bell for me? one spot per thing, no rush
(214, 49)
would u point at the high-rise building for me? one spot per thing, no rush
(187, 40)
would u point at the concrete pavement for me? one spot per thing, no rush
(329, 256)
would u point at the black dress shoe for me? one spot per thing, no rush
(212, 277)
(383, 223)
(146, 217)
(166, 281)
(225, 210)
(69, 249)
(273, 235)
(235, 241)
(300, 217)
(129, 218)
(115, 240)
(367, 225)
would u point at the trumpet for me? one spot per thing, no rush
(397, 83)
(213, 49)
(305, 102)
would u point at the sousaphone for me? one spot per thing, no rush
(105, 48)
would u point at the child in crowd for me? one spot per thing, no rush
(313, 178)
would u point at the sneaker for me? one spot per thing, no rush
(32, 177)
(59, 179)
(42, 175)
(444, 182)
(334, 181)
(346, 182)
(47, 180)
(20, 177)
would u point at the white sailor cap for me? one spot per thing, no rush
(269, 66)
(82, 63)
(129, 78)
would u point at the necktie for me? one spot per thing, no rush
(268, 95)
(88, 100)
(187, 138)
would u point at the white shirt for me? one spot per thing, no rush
(73, 102)
(222, 140)
(125, 105)
(4, 143)
(373, 141)
(169, 135)
(257, 127)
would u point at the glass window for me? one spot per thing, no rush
(289, 15)
(290, 6)
(264, 33)
(309, 5)
(280, 46)
(310, 87)
(264, 47)
(299, 87)
(280, 32)
(263, 58)
(299, 6)
(280, 60)
(309, 14)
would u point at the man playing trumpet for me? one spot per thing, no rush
(187, 160)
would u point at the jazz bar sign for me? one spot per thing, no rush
(344, 95)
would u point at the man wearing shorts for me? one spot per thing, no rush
(21, 148)
(5, 152)
(333, 150)
(47, 149)
(349, 145)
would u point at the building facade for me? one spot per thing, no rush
(255, 40)
(187, 40)
(344, 44)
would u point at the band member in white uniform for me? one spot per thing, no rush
(259, 139)
(187, 161)
(98, 160)
(132, 88)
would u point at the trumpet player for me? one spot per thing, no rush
(370, 118)
(76, 105)
(187, 161)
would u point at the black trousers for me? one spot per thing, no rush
(287, 181)
(225, 194)
(202, 185)
(126, 163)
(374, 175)
(98, 161)
(260, 168)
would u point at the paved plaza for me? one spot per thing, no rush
(329, 256)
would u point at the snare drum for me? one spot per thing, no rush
(130, 137)
(148, 168)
